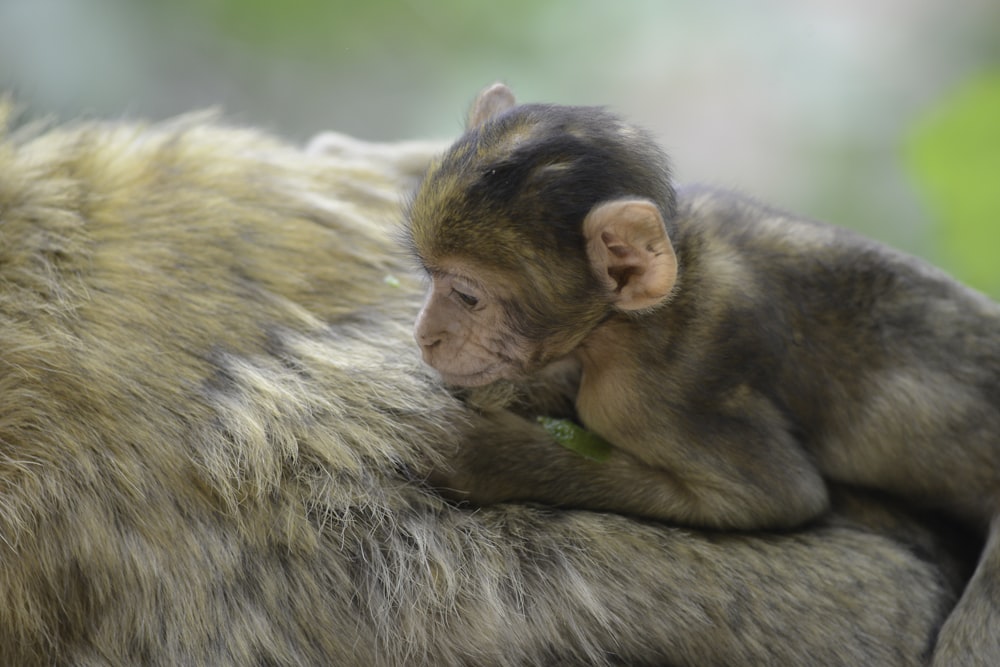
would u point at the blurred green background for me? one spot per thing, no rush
(881, 115)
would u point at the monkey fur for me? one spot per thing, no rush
(215, 432)
(735, 356)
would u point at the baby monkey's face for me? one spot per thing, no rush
(464, 331)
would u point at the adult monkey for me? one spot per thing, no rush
(214, 431)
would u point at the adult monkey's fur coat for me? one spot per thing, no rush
(214, 428)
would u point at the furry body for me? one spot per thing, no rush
(214, 434)
(739, 359)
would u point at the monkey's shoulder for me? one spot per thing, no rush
(784, 252)
(732, 218)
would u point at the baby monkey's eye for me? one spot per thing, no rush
(467, 299)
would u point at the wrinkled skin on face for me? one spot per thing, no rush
(469, 327)
(463, 333)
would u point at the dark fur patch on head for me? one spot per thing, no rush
(532, 174)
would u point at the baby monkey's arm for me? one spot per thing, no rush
(736, 478)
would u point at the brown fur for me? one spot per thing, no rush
(738, 359)
(214, 432)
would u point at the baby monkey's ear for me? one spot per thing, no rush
(490, 103)
(629, 250)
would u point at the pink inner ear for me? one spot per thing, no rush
(627, 244)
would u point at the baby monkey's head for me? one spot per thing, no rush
(534, 226)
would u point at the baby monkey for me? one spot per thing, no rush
(736, 357)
